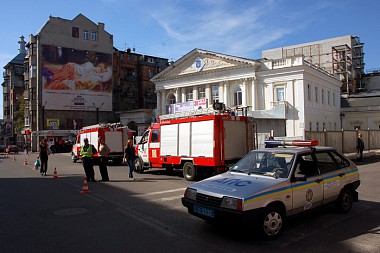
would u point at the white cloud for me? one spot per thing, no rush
(241, 29)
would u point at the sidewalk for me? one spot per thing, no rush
(366, 154)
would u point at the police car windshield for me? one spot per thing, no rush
(267, 163)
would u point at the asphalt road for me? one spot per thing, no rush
(47, 214)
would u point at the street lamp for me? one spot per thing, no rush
(97, 112)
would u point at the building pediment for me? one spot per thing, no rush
(199, 61)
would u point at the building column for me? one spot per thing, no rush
(177, 95)
(245, 93)
(163, 102)
(195, 93)
(183, 95)
(208, 94)
(159, 112)
(222, 98)
(224, 93)
(253, 94)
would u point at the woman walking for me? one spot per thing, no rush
(129, 154)
(43, 154)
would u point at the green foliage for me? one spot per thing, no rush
(19, 117)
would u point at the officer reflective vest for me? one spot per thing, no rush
(86, 151)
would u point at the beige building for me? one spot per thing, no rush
(69, 76)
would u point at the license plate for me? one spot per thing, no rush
(204, 211)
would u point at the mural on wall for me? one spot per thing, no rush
(76, 79)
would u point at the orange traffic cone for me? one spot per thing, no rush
(14, 158)
(55, 173)
(25, 162)
(85, 186)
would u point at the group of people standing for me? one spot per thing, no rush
(88, 150)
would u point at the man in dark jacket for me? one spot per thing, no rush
(360, 147)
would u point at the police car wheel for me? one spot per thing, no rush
(272, 223)
(189, 172)
(345, 199)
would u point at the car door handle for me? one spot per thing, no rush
(319, 180)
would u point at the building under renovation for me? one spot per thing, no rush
(341, 56)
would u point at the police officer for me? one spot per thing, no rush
(86, 152)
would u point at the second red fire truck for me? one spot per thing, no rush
(114, 134)
(197, 144)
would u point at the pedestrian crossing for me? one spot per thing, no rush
(171, 197)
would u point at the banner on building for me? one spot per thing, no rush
(76, 79)
(187, 106)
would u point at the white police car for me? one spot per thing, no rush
(268, 185)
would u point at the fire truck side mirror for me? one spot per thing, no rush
(218, 106)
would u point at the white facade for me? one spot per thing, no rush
(282, 92)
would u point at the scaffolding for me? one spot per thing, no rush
(348, 65)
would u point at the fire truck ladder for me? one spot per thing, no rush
(187, 114)
(102, 125)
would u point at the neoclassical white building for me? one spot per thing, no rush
(289, 96)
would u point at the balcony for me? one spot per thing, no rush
(278, 111)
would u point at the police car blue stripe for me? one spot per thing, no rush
(293, 186)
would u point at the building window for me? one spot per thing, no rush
(171, 99)
(310, 126)
(202, 92)
(215, 93)
(238, 96)
(328, 97)
(279, 93)
(333, 98)
(94, 36)
(316, 94)
(150, 73)
(85, 34)
(323, 126)
(308, 92)
(189, 95)
(323, 96)
(75, 32)
(317, 126)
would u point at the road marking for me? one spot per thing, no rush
(160, 192)
(169, 198)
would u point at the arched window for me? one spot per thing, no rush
(171, 99)
(238, 96)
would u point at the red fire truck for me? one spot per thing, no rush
(197, 144)
(114, 134)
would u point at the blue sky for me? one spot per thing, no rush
(171, 28)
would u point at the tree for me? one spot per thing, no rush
(19, 117)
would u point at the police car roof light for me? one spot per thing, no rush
(298, 143)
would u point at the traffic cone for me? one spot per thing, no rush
(14, 158)
(55, 173)
(85, 186)
(25, 162)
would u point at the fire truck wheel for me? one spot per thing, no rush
(139, 165)
(189, 172)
